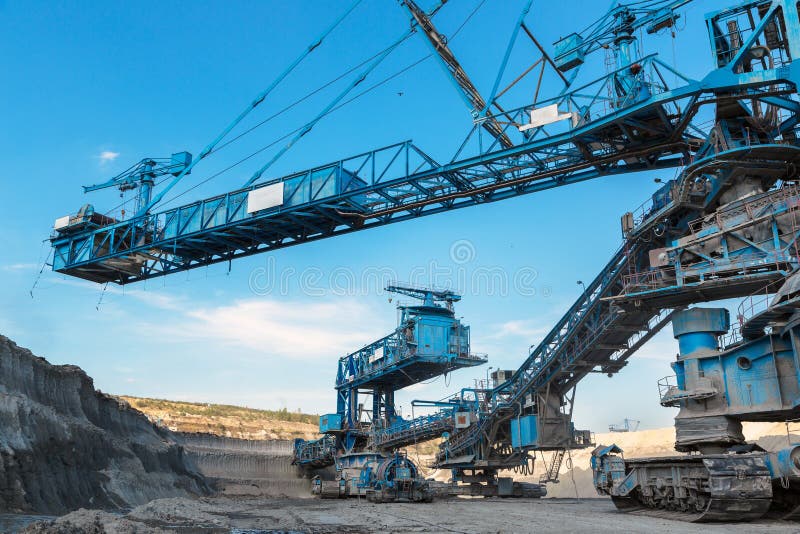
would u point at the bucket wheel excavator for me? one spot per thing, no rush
(725, 227)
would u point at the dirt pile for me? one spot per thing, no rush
(64, 445)
(92, 522)
(224, 515)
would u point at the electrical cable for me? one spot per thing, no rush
(334, 80)
(307, 127)
(249, 130)
(41, 270)
(572, 474)
(102, 293)
(298, 101)
(250, 107)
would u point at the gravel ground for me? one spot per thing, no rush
(258, 515)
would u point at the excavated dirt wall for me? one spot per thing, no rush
(240, 466)
(64, 445)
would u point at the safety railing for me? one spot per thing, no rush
(599, 98)
(580, 344)
(670, 393)
(792, 430)
(419, 427)
(756, 303)
(647, 280)
(786, 199)
(788, 195)
(642, 212)
(368, 360)
(648, 209)
(749, 307)
(653, 325)
(666, 386)
(662, 277)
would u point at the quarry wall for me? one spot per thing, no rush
(64, 445)
(239, 466)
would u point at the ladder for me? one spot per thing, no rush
(551, 473)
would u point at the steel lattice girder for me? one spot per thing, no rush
(217, 229)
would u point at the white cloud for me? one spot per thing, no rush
(19, 267)
(107, 156)
(158, 300)
(293, 329)
(518, 328)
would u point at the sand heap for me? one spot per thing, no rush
(64, 445)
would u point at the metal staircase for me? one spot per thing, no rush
(417, 430)
(553, 468)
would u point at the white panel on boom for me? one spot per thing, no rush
(265, 197)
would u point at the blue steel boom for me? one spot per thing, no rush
(726, 227)
(646, 125)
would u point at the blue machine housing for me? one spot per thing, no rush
(429, 341)
(717, 387)
(330, 423)
(524, 431)
(568, 52)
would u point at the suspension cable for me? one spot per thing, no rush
(327, 109)
(250, 107)
(287, 135)
(336, 79)
(335, 108)
(298, 101)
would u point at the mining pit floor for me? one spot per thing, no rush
(255, 515)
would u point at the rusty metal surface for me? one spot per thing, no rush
(699, 489)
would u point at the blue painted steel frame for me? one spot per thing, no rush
(639, 136)
(649, 127)
(555, 359)
(635, 138)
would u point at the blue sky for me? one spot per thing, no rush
(93, 87)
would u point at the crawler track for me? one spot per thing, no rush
(699, 488)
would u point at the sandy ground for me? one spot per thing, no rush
(256, 515)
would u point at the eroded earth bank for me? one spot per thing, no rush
(65, 446)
